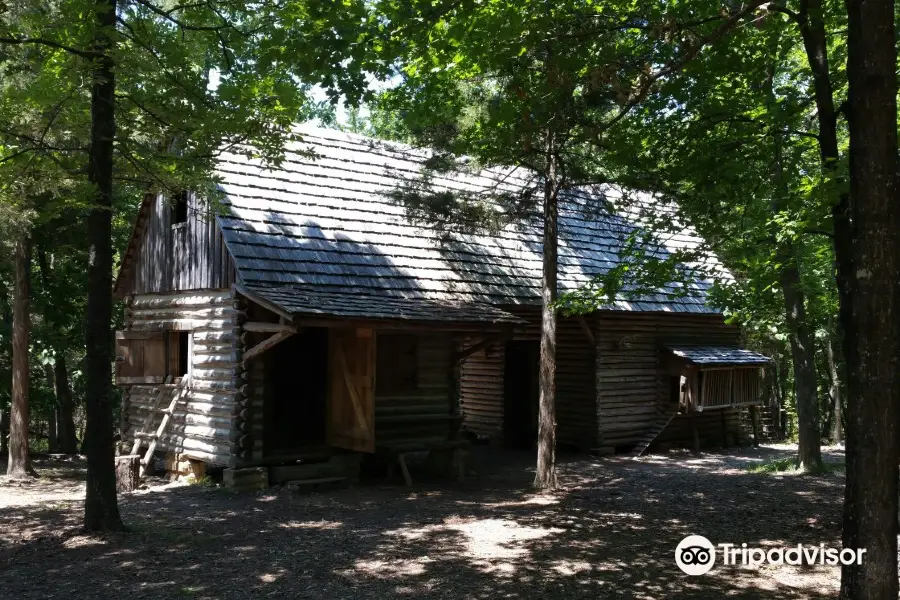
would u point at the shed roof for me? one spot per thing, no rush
(719, 355)
(323, 220)
(299, 302)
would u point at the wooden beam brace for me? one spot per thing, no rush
(587, 330)
(465, 353)
(258, 327)
(266, 344)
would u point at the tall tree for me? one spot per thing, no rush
(19, 465)
(171, 85)
(101, 510)
(872, 328)
(535, 86)
(729, 144)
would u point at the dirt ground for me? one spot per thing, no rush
(610, 532)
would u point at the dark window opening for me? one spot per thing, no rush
(178, 350)
(180, 208)
(396, 365)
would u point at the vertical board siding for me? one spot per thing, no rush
(201, 424)
(431, 397)
(189, 256)
(631, 383)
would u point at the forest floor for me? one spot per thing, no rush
(609, 532)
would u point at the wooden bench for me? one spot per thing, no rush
(398, 451)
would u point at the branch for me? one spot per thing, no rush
(50, 43)
(777, 8)
(167, 14)
(680, 62)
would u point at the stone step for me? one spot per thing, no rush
(321, 484)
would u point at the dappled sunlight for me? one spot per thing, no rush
(272, 577)
(311, 525)
(609, 531)
(536, 500)
(498, 538)
(570, 568)
(391, 569)
(818, 579)
(81, 541)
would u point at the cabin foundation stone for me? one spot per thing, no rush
(180, 467)
(248, 479)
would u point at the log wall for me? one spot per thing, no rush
(481, 389)
(481, 382)
(607, 392)
(200, 428)
(432, 396)
(631, 382)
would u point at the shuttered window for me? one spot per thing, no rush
(150, 356)
(140, 357)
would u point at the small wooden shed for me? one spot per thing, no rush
(309, 315)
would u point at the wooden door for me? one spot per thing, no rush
(351, 401)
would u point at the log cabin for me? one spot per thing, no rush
(304, 313)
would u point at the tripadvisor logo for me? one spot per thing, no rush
(696, 555)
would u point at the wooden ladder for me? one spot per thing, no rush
(163, 424)
(664, 417)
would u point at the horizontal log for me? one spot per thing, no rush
(215, 358)
(206, 297)
(182, 312)
(215, 337)
(206, 325)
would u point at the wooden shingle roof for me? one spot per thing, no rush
(323, 222)
(719, 355)
(298, 302)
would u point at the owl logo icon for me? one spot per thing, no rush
(695, 555)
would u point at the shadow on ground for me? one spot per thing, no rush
(611, 532)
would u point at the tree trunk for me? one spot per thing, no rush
(799, 332)
(779, 397)
(872, 330)
(52, 421)
(545, 473)
(4, 430)
(803, 358)
(68, 444)
(837, 428)
(101, 511)
(19, 465)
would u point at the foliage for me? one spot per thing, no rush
(788, 465)
(192, 80)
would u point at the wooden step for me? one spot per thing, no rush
(322, 484)
(657, 428)
(285, 474)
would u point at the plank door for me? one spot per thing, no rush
(351, 402)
